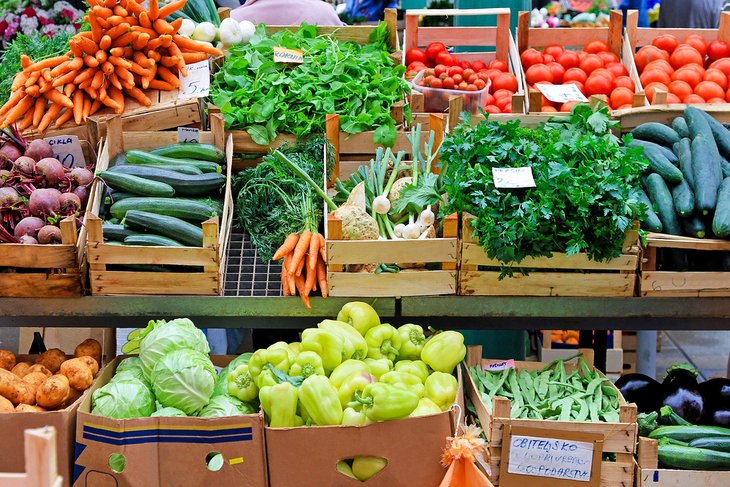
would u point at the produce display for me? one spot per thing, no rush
(50, 382)
(565, 337)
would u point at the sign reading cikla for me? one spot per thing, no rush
(283, 55)
(67, 149)
(561, 93)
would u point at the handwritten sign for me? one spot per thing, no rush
(561, 93)
(497, 366)
(188, 134)
(197, 83)
(283, 55)
(67, 149)
(513, 177)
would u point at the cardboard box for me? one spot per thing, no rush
(306, 457)
(167, 452)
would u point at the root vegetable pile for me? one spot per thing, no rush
(304, 265)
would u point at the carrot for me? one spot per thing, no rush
(314, 245)
(40, 107)
(66, 78)
(112, 103)
(91, 61)
(102, 12)
(101, 57)
(90, 91)
(118, 61)
(125, 84)
(125, 39)
(300, 267)
(108, 68)
(133, 8)
(86, 108)
(137, 69)
(300, 250)
(46, 63)
(185, 43)
(87, 45)
(322, 278)
(50, 115)
(138, 95)
(140, 41)
(156, 84)
(124, 74)
(285, 281)
(154, 10)
(144, 20)
(115, 21)
(95, 106)
(118, 97)
(19, 109)
(299, 281)
(86, 34)
(104, 24)
(69, 89)
(96, 81)
(194, 57)
(32, 79)
(145, 30)
(109, 3)
(84, 75)
(25, 61)
(105, 43)
(116, 51)
(287, 247)
(13, 100)
(309, 280)
(114, 80)
(157, 43)
(93, 21)
(57, 97)
(78, 107)
(19, 81)
(76, 50)
(143, 60)
(166, 75)
(65, 117)
(34, 91)
(120, 11)
(155, 56)
(26, 121)
(169, 61)
(61, 69)
(163, 26)
(116, 32)
(170, 8)
(290, 282)
(46, 74)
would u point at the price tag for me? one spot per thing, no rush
(292, 56)
(187, 134)
(513, 177)
(197, 83)
(497, 366)
(561, 93)
(67, 149)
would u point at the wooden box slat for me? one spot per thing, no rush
(408, 282)
(648, 473)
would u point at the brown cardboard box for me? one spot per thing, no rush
(306, 457)
(164, 452)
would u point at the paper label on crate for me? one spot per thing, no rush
(551, 457)
(292, 56)
(197, 83)
(188, 134)
(513, 177)
(497, 366)
(67, 149)
(561, 93)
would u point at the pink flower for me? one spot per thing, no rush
(28, 12)
(68, 14)
(3, 26)
(45, 20)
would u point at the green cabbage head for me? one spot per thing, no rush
(166, 337)
(221, 406)
(126, 397)
(184, 379)
(168, 412)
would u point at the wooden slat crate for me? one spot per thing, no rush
(41, 469)
(619, 438)
(648, 473)
(499, 37)
(211, 256)
(559, 275)
(614, 354)
(678, 283)
(340, 253)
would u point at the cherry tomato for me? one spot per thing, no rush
(471, 79)
(463, 85)
(436, 83)
(466, 65)
(471, 87)
(499, 64)
(480, 84)
(478, 65)
(455, 70)
(457, 78)
(448, 83)
(468, 72)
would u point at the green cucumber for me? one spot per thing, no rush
(694, 226)
(717, 444)
(720, 134)
(707, 173)
(662, 198)
(134, 184)
(119, 159)
(182, 168)
(684, 153)
(679, 125)
(662, 166)
(142, 158)
(183, 184)
(689, 458)
(656, 132)
(725, 167)
(115, 232)
(202, 152)
(150, 240)
(696, 122)
(166, 226)
(671, 156)
(684, 199)
(651, 222)
(119, 196)
(721, 220)
(689, 433)
(177, 207)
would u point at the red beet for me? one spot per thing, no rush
(51, 170)
(70, 203)
(24, 165)
(83, 193)
(39, 149)
(81, 176)
(8, 197)
(49, 234)
(27, 240)
(4, 175)
(45, 202)
(10, 151)
(28, 226)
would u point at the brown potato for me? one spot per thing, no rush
(90, 362)
(73, 395)
(34, 381)
(53, 392)
(6, 406)
(40, 368)
(14, 389)
(7, 360)
(22, 369)
(79, 374)
(27, 408)
(52, 359)
(90, 348)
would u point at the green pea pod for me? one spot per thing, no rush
(385, 402)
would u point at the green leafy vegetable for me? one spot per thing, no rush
(166, 337)
(124, 398)
(184, 379)
(221, 406)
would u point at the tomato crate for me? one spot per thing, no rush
(210, 258)
(499, 38)
(351, 151)
(618, 439)
(648, 473)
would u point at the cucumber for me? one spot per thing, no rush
(721, 220)
(142, 158)
(717, 444)
(679, 125)
(182, 169)
(119, 196)
(166, 226)
(671, 156)
(179, 208)
(115, 232)
(202, 152)
(695, 227)
(151, 241)
(689, 433)
(651, 222)
(720, 134)
(118, 159)
(707, 173)
(656, 132)
(183, 184)
(661, 165)
(684, 199)
(662, 198)
(725, 167)
(696, 122)
(684, 153)
(689, 458)
(134, 184)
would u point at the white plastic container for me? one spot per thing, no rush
(436, 100)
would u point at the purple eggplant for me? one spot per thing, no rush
(642, 390)
(716, 394)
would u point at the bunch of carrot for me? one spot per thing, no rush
(129, 49)
(304, 265)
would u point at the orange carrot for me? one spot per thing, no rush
(111, 103)
(96, 81)
(34, 91)
(170, 8)
(32, 79)
(299, 281)
(155, 56)
(65, 79)
(78, 107)
(118, 61)
(50, 115)
(287, 247)
(314, 246)
(154, 10)
(125, 39)
(46, 74)
(86, 109)
(91, 61)
(102, 12)
(116, 51)
(309, 280)
(124, 74)
(118, 97)
(114, 80)
(40, 107)
(185, 43)
(169, 61)
(95, 106)
(93, 21)
(285, 281)
(87, 45)
(286, 264)
(143, 60)
(134, 8)
(46, 63)
(108, 68)
(69, 89)
(138, 95)
(157, 43)
(121, 11)
(300, 267)
(156, 84)
(104, 24)
(322, 278)
(109, 3)
(137, 69)
(19, 109)
(115, 20)
(300, 250)
(144, 20)
(76, 49)
(13, 100)
(116, 32)
(57, 97)
(140, 41)
(26, 121)
(94, 94)
(25, 61)
(105, 43)
(61, 69)
(87, 73)
(194, 57)
(19, 81)
(166, 75)
(101, 57)
(163, 26)
(65, 117)
(86, 34)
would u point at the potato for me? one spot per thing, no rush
(79, 374)
(40, 368)
(90, 348)
(27, 408)
(6, 406)
(73, 395)
(22, 369)
(14, 389)
(7, 360)
(52, 359)
(34, 381)
(53, 392)
(90, 362)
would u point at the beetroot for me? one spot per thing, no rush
(9, 151)
(4, 175)
(8, 197)
(45, 202)
(83, 193)
(81, 176)
(28, 226)
(70, 203)
(28, 240)
(51, 171)
(24, 165)
(39, 149)
(49, 234)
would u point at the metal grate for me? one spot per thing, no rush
(246, 274)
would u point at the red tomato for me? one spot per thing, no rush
(647, 54)
(463, 85)
(439, 70)
(555, 50)
(568, 106)
(617, 69)
(537, 73)
(478, 65)
(727, 96)
(471, 87)
(598, 85)
(493, 73)
(717, 76)
(547, 59)
(688, 75)
(621, 96)
(716, 100)
(468, 72)
(472, 78)
(666, 42)
(502, 93)
(723, 65)
(507, 108)
(596, 46)
(624, 81)
(505, 81)
(718, 49)
(698, 42)
(417, 66)
(530, 57)
(603, 72)
(433, 49)
(673, 99)
(499, 64)
(576, 74)
(708, 90)
(558, 71)
(549, 109)
(443, 57)
(465, 65)
(680, 88)
(577, 83)
(624, 107)
(492, 109)
(448, 83)
(660, 64)
(437, 83)
(685, 55)
(503, 102)
(488, 99)
(652, 75)
(691, 99)
(590, 63)
(455, 70)
(480, 84)
(569, 59)
(651, 88)
(457, 78)
(608, 57)
(415, 55)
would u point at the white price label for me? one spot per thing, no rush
(551, 457)
(497, 366)
(197, 83)
(561, 93)
(283, 55)
(67, 149)
(513, 177)
(187, 134)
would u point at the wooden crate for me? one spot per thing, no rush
(619, 438)
(340, 253)
(41, 469)
(614, 354)
(211, 256)
(678, 283)
(499, 37)
(559, 275)
(648, 473)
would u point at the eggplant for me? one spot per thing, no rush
(686, 401)
(716, 394)
(642, 390)
(681, 375)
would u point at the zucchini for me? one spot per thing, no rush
(695, 227)
(679, 125)
(696, 122)
(662, 166)
(689, 433)
(142, 158)
(151, 241)
(115, 232)
(684, 199)
(684, 153)
(689, 458)
(651, 222)
(119, 159)
(662, 198)
(182, 168)
(166, 226)
(183, 184)
(707, 173)
(134, 184)
(725, 167)
(720, 134)
(656, 132)
(179, 208)
(668, 153)
(201, 152)
(717, 444)
(119, 196)
(721, 220)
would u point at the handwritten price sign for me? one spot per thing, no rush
(187, 134)
(561, 93)
(513, 177)
(67, 149)
(292, 56)
(197, 83)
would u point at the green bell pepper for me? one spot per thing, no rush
(241, 385)
(441, 388)
(344, 468)
(278, 357)
(364, 468)
(351, 385)
(405, 381)
(425, 407)
(326, 344)
(383, 342)
(359, 315)
(266, 378)
(412, 341)
(283, 346)
(444, 350)
(345, 370)
(307, 363)
(296, 347)
(319, 398)
(351, 416)
(384, 402)
(355, 346)
(379, 367)
(415, 367)
(279, 402)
